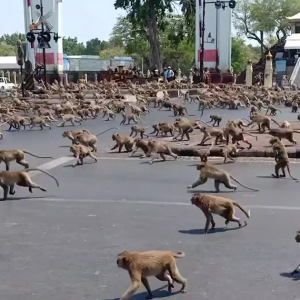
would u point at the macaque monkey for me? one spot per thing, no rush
(228, 151)
(216, 119)
(140, 265)
(38, 121)
(81, 152)
(263, 122)
(158, 147)
(295, 106)
(71, 133)
(109, 113)
(273, 110)
(141, 130)
(209, 133)
(130, 117)
(223, 207)
(220, 176)
(204, 153)
(239, 123)
(283, 133)
(8, 179)
(281, 158)
(179, 110)
(69, 118)
(286, 125)
(297, 238)
(140, 144)
(123, 140)
(165, 128)
(155, 129)
(185, 128)
(166, 104)
(18, 155)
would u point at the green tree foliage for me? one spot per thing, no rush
(239, 55)
(111, 52)
(8, 43)
(72, 47)
(94, 46)
(7, 50)
(260, 19)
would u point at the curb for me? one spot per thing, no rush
(253, 152)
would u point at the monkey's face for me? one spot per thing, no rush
(200, 166)
(297, 238)
(195, 199)
(113, 137)
(123, 260)
(273, 140)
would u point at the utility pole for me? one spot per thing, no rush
(202, 43)
(44, 50)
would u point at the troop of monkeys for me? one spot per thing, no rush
(161, 264)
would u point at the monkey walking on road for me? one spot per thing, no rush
(219, 175)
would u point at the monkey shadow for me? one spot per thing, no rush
(190, 191)
(155, 161)
(294, 277)
(158, 293)
(85, 163)
(23, 198)
(64, 146)
(211, 231)
(271, 177)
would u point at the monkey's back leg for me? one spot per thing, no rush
(176, 276)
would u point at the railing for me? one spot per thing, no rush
(295, 72)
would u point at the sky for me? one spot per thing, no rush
(94, 19)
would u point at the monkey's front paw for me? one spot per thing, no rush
(189, 187)
(150, 162)
(183, 291)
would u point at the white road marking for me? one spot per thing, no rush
(158, 203)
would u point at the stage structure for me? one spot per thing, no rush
(213, 27)
(44, 15)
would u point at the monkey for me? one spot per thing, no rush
(297, 238)
(38, 121)
(204, 153)
(123, 140)
(140, 265)
(142, 144)
(80, 152)
(18, 155)
(129, 117)
(141, 130)
(263, 122)
(179, 110)
(166, 104)
(216, 119)
(239, 123)
(69, 118)
(155, 129)
(223, 207)
(281, 158)
(209, 133)
(254, 110)
(185, 128)
(220, 176)
(71, 133)
(286, 125)
(87, 139)
(273, 110)
(236, 135)
(283, 133)
(158, 147)
(8, 179)
(165, 128)
(16, 122)
(228, 151)
(109, 113)
(295, 106)
(298, 117)
(193, 98)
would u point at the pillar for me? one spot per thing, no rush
(96, 78)
(85, 78)
(268, 77)
(249, 73)
(8, 75)
(179, 75)
(2, 73)
(14, 77)
(148, 74)
(66, 79)
(191, 77)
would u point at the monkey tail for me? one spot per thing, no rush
(247, 213)
(86, 131)
(233, 178)
(295, 131)
(188, 113)
(205, 123)
(288, 167)
(250, 134)
(246, 120)
(36, 155)
(45, 172)
(140, 119)
(178, 254)
(275, 122)
(107, 130)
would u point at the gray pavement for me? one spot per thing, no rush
(62, 245)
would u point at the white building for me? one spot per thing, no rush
(217, 37)
(54, 55)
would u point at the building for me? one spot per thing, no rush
(53, 14)
(9, 63)
(217, 33)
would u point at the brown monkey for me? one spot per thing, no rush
(140, 265)
(286, 125)
(81, 152)
(220, 176)
(209, 133)
(140, 144)
(158, 147)
(71, 133)
(129, 117)
(223, 207)
(204, 153)
(7, 156)
(283, 133)
(239, 123)
(297, 238)
(70, 118)
(179, 110)
(165, 128)
(185, 128)
(109, 113)
(228, 151)
(295, 106)
(281, 158)
(141, 130)
(8, 179)
(263, 122)
(273, 110)
(155, 129)
(216, 119)
(38, 121)
(123, 140)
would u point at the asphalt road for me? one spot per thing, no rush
(63, 244)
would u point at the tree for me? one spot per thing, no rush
(240, 54)
(94, 46)
(7, 50)
(72, 47)
(11, 39)
(259, 19)
(110, 53)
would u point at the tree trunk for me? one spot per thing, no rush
(262, 49)
(155, 55)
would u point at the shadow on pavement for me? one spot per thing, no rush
(190, 191)
(23, 198)
(295, 277)
(271, 177)
(158, 293)
(211, 231)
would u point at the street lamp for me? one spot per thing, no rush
(218, 4)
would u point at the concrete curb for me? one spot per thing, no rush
(253, 152)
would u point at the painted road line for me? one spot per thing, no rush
(158, 203)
